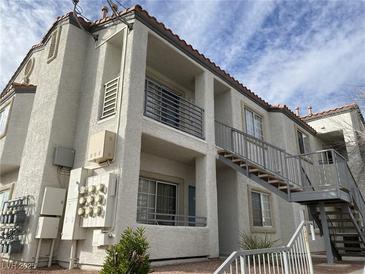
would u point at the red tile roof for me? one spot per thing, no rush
(151, 22)
(329, 112)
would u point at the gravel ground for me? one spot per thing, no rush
(320, 267)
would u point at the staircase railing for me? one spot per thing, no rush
(258, 152)
(315, 171)
(293, 258)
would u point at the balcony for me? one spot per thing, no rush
(163, 105)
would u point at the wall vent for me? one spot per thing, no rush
(110, 98)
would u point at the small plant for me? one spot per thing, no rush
(129, 256)
(248, 242)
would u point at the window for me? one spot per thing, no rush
(303, 142)
(4, 117)
(261, 209)
(110, 99)
(157, 202)
(253, 123)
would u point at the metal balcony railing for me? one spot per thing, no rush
(162, 105)
(154, 218)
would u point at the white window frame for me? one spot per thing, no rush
(263, 209)
(159, 182)
(3, 108)
(255, 116)
(304, 135)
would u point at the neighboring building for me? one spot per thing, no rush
(139, 104)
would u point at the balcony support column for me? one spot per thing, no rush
(205, 166)
(130, 129)
(326, 235)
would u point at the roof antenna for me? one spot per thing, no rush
(114, 8)
(76, 13)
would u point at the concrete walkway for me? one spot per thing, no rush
(348, 266)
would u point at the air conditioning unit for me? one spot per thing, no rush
(101, 146)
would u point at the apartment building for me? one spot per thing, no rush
(106, 125)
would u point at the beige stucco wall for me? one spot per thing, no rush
(66, 111)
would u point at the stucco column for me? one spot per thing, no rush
(130, 128)
(205, 166)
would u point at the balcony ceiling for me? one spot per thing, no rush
(165, 59)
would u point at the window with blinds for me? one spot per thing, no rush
(261, 209)
(254, 123)
(157, 202)
(110, 99)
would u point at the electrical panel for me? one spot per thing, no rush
(101, 147)
(64, 157)
(102, 238)
(47, 227)
(53, 201)
(72, 229)
(13, 218)
(96, 201)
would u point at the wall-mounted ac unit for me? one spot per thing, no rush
(101, 146)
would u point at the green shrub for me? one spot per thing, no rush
(248, 242)
(129, 256)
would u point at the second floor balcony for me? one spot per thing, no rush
(165, 106)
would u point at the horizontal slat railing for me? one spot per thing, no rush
(292, 258)
(154, 218)
(162, 105)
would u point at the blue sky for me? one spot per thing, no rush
(293, 52)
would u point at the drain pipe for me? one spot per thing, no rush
(37, 253)
(72, 254)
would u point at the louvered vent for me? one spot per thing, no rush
(53, 47)
(110, 98)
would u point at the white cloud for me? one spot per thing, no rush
(288, 52)
(22, 25)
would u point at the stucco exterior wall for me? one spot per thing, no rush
(66, 111)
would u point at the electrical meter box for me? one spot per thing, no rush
(101, 146)
(96, 202)
(53, 201)
(47, 227)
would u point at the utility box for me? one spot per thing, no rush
(64, 157)
(98, 201)
(53, 201)
(47, 227)
(101, 146)
(72, 229)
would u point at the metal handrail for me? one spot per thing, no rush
(294, 255)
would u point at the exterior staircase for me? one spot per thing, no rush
(320, 180)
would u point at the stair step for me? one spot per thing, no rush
(341, 220)
(347, 242)
(237, 160)
(350, 248)
(342, 227)
(253, 170)
(346, 234)
(344, 254)
(228, 155)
